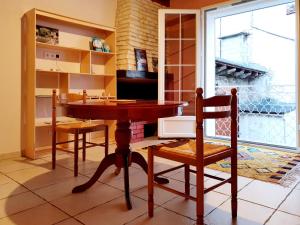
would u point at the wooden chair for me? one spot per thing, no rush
(199, 154)
(76, 128)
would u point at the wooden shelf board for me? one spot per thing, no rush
(49, 71)
(60, 47)
(45, 45)
(46, 122)
(103, 53)
(64, 72)
(104, 75)
(40, 12)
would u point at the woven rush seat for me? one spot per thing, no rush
(187, 148)
(82, 127)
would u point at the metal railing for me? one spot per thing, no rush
(266, 115)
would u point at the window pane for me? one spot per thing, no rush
(172, 78)
(188, 52)
(188, 26)
(172, 25)
(172, 96)
(172, 52)
(188, 78)
(190, 98)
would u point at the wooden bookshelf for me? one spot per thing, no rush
(68, 66)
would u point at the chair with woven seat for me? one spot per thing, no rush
(199, 154)
(76, 128)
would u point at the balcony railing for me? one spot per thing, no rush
(266, 115)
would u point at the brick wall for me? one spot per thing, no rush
(137, 27)
(137, 130)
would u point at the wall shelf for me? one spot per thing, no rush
(66, 48)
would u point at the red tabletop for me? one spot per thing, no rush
(123, 110)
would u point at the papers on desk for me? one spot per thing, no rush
(122, 100)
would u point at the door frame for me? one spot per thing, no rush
(163, 131)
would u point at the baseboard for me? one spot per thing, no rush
(10, 155)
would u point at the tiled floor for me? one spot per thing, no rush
(32, 194)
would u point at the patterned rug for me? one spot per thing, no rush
(264, 164)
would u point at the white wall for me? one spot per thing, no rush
(96, 11)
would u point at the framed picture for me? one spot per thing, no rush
(141, 59)
(46, 35)
(155, 64)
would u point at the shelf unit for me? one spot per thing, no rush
(69, 67)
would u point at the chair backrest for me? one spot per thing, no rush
(225, 106)
(70, 97)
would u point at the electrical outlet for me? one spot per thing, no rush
(52, 55)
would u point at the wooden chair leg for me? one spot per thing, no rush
(234, 185)
(53, 149)
(106, 140)
(150, 183)
(187, 180)
(76, 137)
(200, 195)
(83, 146)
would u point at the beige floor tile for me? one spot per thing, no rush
(60, 189)
(136, 181)
(38, 177)
(97, 153)
(160, 196)
(79, 202)
(17, 203)
(59, 156)
(11, 188)
(161, 166)
(88, 167)
(45, 214)
(138, 178)
(188, 207)
(70, 221)
(180, 176)
(4, 179)
(109, 176)
(264, 193)
(248, 214)
(226, 188)
(292, 203)
(162, 217)
(115, 212)
(11, 165)
(281, 218)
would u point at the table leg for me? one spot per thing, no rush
(105, 163)
(140, 160)
(123, 154)
(126, 182)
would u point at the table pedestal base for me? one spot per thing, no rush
(122, 158)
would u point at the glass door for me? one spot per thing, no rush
(251, 46)
(178, 68)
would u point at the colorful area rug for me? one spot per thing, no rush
(264, 164)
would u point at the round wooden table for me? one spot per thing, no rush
(124, 112)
